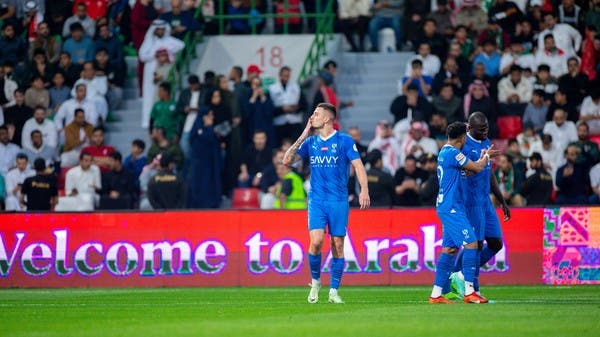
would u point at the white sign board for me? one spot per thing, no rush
(269, 52)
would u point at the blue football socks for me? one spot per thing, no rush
(337, 268)
(314, 262)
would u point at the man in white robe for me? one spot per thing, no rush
(14, 181)
(96, 88)
(81, 184)
(157, 37)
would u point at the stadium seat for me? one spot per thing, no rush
(245, 198)
(500, 144)
(595, 139)
(60, 182)
(509, 127)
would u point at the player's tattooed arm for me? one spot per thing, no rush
(291, 155)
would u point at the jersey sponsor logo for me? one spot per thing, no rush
(321, 161)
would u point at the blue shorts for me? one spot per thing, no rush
(457, 231)
(330, 214)
(484, 220)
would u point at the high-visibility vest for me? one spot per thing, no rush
(293, 7)
(297, 199)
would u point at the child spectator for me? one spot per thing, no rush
(136, 161)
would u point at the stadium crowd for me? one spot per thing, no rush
(529, 66)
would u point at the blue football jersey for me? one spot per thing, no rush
(330, 161)
(450, 164)
(477, 186)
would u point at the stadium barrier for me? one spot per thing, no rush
(268, 248)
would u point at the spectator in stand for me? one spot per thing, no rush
(415, 13)
(58, 92)
(571, 14)
(528, 140)
(450, 75)
(514, 92)
(465, 44)
(524, 35)
(286, 96)
(537, 188)
(99, 151)
(471, 15)
(164, 115)
(443, 19)
(237, 25)
(39, 66)
(354, 132)
(490, 83)
(418, 142)
(112, 45)
(39, 192)
(79, 46)
(553, 158)
(574, 82)
(81, 17)
(592, 17)
(518, 160)
(66, 112)
(430, 62)
(545, 81)
(354, 18)
(552, 56)
(8, 151)
(561, 101)
(204, 183)
(566, 37)
(165, 189)
(448, 104)
(37, 94)
(259, 110)
(428, 190)
(7, 10)
(81, 184)
(71, 71)
(590, 110)
(493, 32)
(289, 193)
(161, 144)
(386, 14)
(536, 111)
(588, 155)
(269, 181)
(563, 131)
(40, 150)
(96, 88)
(46, 42)
(148, 173)
(16, 115)
(516, 55)
(234, 142)
(407, 181)
(181, 21)
(478, 99)
(142, 15)
(437, 128)
(508, 182)
(381, 183)
(77, 136)
(437, 43)
(158, 37)
(119, 189)
(386, 142)
(595, 185)
(327, 94)
(12, 47)
(572, 180)
(136, 161)
(256, 159)
(417, 78)
(188, 105)
(411, 106)
(7, 90)
(14, 181)
(490, 58)
(115, 78)
(506, 13)
(57, 14)
(45, 126)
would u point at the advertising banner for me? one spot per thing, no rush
(240, 248)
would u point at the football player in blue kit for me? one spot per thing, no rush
(481, 213)
(329, 154)
(450, 208)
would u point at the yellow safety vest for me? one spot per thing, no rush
(297, 199)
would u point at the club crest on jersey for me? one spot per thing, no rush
(334, 148)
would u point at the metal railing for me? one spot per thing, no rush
(323, 26)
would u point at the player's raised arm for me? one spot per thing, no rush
(361, 174)
(291, 155)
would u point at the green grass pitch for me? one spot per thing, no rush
(369, 311)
